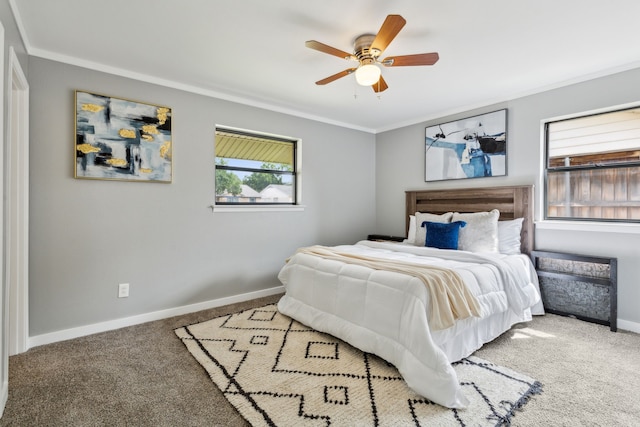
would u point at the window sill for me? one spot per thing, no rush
(604, 227)
(257, 208)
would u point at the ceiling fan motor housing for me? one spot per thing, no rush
(362, 49)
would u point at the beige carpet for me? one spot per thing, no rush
(278, 372)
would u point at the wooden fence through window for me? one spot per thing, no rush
(603, 193)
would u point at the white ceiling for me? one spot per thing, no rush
(253, 51)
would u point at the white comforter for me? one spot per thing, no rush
(385, 313)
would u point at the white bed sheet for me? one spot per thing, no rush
(386, 313)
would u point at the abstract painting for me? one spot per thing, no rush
(118, 139)
(469, 148)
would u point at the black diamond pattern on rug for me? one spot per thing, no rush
(278, 372)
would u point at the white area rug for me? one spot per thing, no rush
(278, 372)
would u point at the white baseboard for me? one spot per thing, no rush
(82, 331)
(628, 326)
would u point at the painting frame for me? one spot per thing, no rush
(472, 147)
(119, 139)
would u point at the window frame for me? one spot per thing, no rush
(555, 222)
(294, 205)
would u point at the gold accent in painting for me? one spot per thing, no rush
(152, 129)
(162, 115)
(117, 162)
(127, 133)
(87, 148)
(92, 107)
(165, 150)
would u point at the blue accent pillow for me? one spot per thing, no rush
(443, 235)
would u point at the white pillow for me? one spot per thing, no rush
(481, 232)
(421, 232)
(411, 235)
(509, 236)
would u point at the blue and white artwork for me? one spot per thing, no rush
(118, 139)
(469, 148)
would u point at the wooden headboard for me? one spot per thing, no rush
(512, 202)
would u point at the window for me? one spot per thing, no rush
(254, 168)
(593, 167)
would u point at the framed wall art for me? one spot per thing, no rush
(119, 139)
(469, 148)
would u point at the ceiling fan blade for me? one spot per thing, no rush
(389, 30)
(335, 76)
(312, 44)
(407, 60)
(381, 86)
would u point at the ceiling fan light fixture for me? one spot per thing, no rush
(368, 74)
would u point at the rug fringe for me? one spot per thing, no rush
(505, 421)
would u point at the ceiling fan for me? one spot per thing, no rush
(367, 50)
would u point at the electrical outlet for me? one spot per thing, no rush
(123, 290)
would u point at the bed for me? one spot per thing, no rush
(423, 307)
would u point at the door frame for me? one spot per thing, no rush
(17, 210)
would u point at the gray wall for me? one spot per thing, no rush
(400, 167)
(87, 236)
